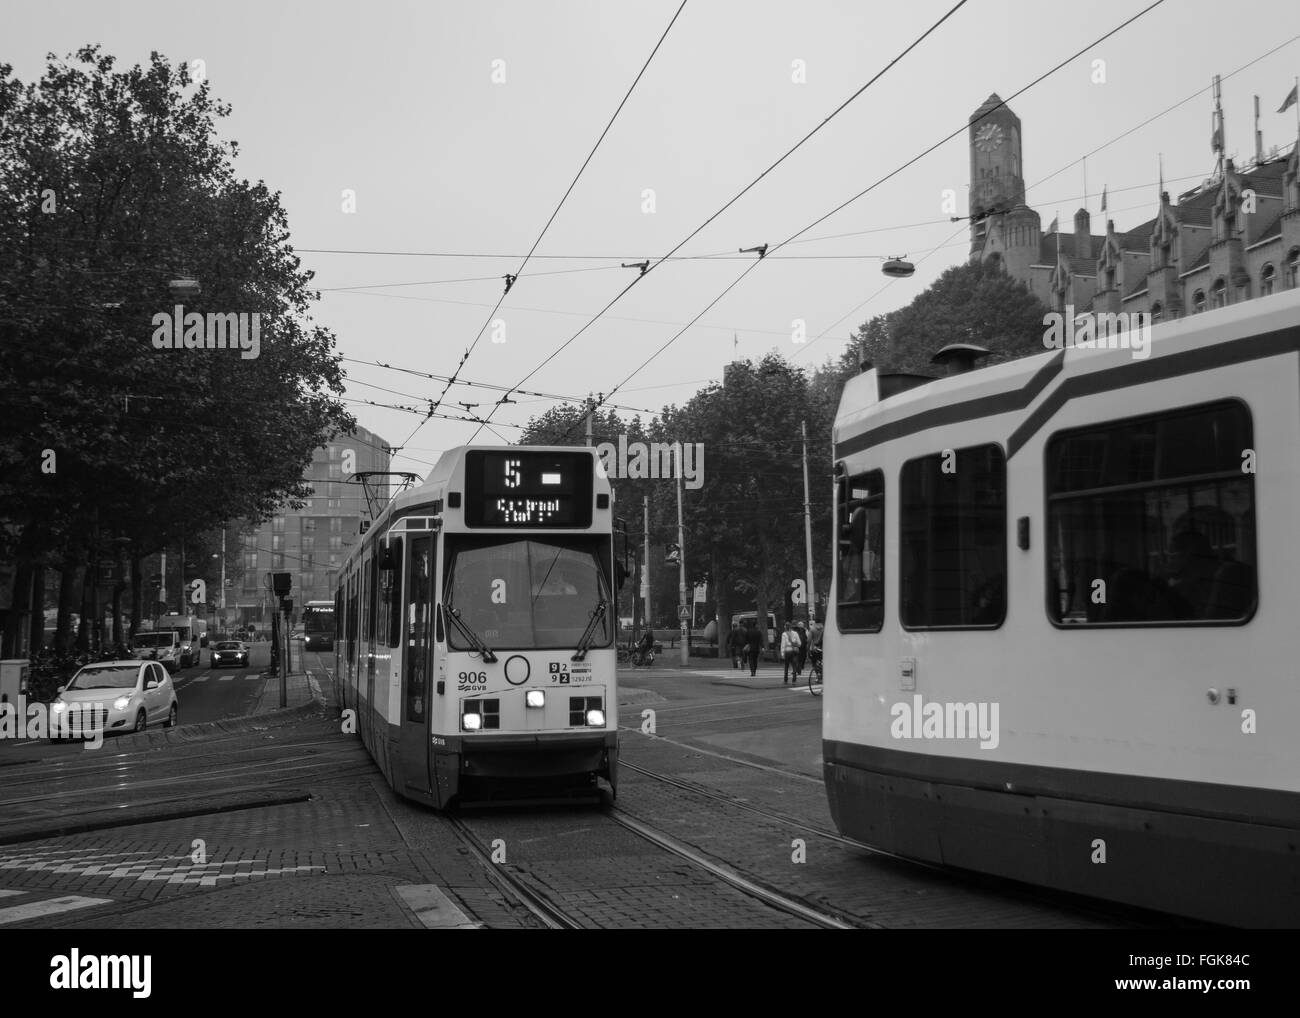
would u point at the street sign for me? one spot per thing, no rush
(683, 612)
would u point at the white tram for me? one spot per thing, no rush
(475, 636)
(1063, 638)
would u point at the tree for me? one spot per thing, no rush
(112, 184)
(975, 302)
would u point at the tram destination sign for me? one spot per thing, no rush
(518, 488)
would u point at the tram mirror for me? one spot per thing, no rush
(858, 529)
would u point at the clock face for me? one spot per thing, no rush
(988, 137)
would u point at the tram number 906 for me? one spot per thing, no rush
(471, 680)
(560, 672)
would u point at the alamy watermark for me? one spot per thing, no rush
(229, 331)
(36, 720)
(1102, 331)
(652, 461)
(935, 720)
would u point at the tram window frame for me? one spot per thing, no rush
(913, 539)
(860, 614)
(1163, 490)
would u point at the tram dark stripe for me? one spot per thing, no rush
(1189, 362)
(1272, 344)
(971, 409)
(1254, 806)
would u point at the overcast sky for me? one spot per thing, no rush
(397, 102)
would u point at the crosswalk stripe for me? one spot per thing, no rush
(226, 678)
(9, 894)
(51, 906)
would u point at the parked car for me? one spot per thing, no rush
(230, 652)
(161, 645)
(115, 696)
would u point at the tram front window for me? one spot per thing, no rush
(526, 593)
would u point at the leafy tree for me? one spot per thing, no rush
(111, 185)
(975, 302)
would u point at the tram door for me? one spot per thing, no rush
(370, 571)
(417, 665)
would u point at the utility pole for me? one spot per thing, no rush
(681, 567)
(162, 586)
(223, 567)
(588, 420)
(807, 527)
(645, 575)
(182, 568)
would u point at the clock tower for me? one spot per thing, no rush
(997, 182)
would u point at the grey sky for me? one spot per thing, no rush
(396, 101)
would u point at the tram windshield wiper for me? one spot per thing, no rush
(589, 634)
(454, 615)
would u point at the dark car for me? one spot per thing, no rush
(230, 652)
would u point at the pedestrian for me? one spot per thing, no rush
(736, 644)
(790, 652)
(802, 631)
(753, 645)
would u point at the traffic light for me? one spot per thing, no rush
(281, 584)
(674, 555)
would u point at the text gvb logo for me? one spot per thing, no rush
(229, 331)
(920, 720)
(102, 972)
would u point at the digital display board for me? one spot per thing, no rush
(517, 488)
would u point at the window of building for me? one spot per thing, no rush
(1218, 293)
(1157, 312)
(308, 523)
(336, 470)
(308, 542)
(277, 560)
(309, 561)
(336, 525)
(1266, 277)
(334, 452)
(1243, 291)
(335, 503)
(1198, 301)
(860, 513)
(277, 542)
(1152, 521)
(250, 581)
(952, 555)
(336, 544)
(250, 540)
(277, 525)
(334, 559)
(1293, 268)
(306, 581)
(250, 562)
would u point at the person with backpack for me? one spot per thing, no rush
(790, 647)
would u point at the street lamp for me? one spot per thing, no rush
(898, 268)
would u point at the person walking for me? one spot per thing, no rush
(736, 644)
(753, 645)
(790, 652)
(802, 632)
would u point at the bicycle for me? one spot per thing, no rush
(643, 658)
(815, 672)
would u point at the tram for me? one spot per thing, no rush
(318, 625)
(475, 630)
(1062, 637)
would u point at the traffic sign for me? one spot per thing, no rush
(683, 612)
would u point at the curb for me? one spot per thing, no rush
(152, 813)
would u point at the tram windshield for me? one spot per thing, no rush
(527, 593)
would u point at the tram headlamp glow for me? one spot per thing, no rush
(471, 722)
(535, 698)
(595, 719)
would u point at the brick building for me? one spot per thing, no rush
(1234, 237)
(310, 543)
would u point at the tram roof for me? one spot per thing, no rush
(861, 406)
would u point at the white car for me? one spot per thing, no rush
(115, 696)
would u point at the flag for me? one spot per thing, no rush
(1103, 201)
(1055, 221)
(1290, 100)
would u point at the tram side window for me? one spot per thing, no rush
(395, 593)
(1152, 521)
(419, 600)
(860, 512)
(952, 555)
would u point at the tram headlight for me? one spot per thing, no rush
(471, 722)
(535, 698)
(595, 719)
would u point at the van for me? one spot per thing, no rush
(161, 645)
(745, 619)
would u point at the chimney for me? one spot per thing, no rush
(1082, 234)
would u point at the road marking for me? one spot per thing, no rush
(226, 678)
(433, 908)
(51, 906)
(9, 894)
